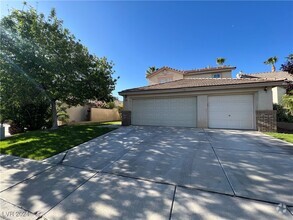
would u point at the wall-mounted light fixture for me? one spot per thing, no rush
(265, 89)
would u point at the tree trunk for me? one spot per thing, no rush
(54, 115)
(273, 68)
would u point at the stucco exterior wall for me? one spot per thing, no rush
(102, 115)
(127, 103)
(208, 75)
(264, 99)
(77, 113)
(202, 111)
(278, 93)
(165, 74)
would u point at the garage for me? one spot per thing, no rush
(226, 103)
(232, 112)
(164, 111)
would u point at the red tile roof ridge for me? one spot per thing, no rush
(210, 68)
(268, 75)
(167, 67)
(263, 72)
(192, 70)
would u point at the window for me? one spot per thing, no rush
(217, 75)
(163, 80)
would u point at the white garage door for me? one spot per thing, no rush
(235, 111)
(164, 112)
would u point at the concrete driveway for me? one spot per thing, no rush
(155, 173)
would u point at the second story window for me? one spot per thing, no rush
(217, 75)
(163, 80)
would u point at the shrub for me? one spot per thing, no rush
(111, 105)
(29, 116)
(61, 113)
(283, 115)
(287, 100)
(101, 104)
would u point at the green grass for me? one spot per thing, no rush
(282, 136)
(97, 123)
(112, 123)
(42, 144)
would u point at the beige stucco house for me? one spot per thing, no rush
(203, 98)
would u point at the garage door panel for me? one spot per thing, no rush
(165, 112)
(235, 111)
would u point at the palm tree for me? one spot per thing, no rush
(221, 61)
(272, 61)
(150, 70)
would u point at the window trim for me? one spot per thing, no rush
(218, 76)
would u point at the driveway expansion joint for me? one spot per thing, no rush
(17, 206)
(189, 188)
(172, 204)
(219, 161)
(80, 168)
(81, 184)
(30, 177)
(61, 161)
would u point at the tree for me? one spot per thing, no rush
(287, 99)
(21, 101)
(288, 102)
(271, 61)
(288, 65)
(150, 70)
(221, 61)
(40, 49)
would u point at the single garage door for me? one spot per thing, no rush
(235, 111)
(164, 112)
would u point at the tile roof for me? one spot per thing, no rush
(268, 75)
(164, 68)
(201, 82)
(210, 69)
(207, 69)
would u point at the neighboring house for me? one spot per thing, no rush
(277, 91)
(206, 102)
(167, 74)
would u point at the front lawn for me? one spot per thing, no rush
(41, 144)
(282, 136)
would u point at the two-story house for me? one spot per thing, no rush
(203, 98)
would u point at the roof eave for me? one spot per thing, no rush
(204, 88)
(203, 71)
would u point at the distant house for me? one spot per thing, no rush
(203, 98)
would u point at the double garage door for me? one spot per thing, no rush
(235, 112)
(164, 112)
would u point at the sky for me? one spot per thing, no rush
(180, 34)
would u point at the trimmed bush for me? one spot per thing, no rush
(283, 115)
